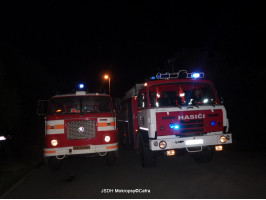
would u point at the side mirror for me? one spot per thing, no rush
(117, 105)
(42, 107)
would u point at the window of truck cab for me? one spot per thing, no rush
(78, 104)
(142, 99)
(181, 94)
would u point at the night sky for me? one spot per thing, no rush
(47, 47)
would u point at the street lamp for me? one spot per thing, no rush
(108, 77)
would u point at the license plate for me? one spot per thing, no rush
(81, 148)
(193, 142)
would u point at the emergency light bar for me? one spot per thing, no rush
(195, 75)
(180, 74)
(81, 86)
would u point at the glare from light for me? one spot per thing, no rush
(205, 100)
(2, 138)
(143, 128)
(171, 125)
(107, 138)
(195, 75)
(176, 127)
(157, 104)
(182, 94)
(170, 153)
(145, 84)
(106, 76)
(81, 86)
(218, 148)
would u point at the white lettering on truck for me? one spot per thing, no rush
(183, 117)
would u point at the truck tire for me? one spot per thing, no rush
(111, 158)
(54, 163)
(147, 157)
(206, 155)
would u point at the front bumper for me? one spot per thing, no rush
(89, 149)
(175, 142)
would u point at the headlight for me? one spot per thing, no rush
(162, 144)
(54, 143)
(107, 138)
(222, 139)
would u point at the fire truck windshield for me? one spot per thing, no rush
(181, 94)
(88, 104)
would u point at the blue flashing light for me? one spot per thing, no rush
(212, 123)
(167, 75)
(195, 75)
(81, 86)
(176, 127)
(153, 78)
(180, 74)
(171, 125)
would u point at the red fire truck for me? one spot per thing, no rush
(80, 123)
(174, 113)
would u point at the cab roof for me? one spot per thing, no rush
(81, 93)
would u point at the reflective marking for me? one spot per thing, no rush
(55, 122)
(56, 126)
(105, 124)
(108, 124)
(49, 151)
(112, 147)
(143, 128)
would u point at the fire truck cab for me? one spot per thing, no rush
(80, 124)
(174, 113)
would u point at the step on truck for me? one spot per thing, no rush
(173, 113)
(79, 124)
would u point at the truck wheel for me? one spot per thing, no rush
(54, 163)
(111, 158)
(147, 157)
(204, 156)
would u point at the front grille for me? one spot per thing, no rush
(191, 127)
(83, 129)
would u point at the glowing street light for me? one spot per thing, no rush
(108, 77)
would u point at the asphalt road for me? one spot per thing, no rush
(232, 174)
